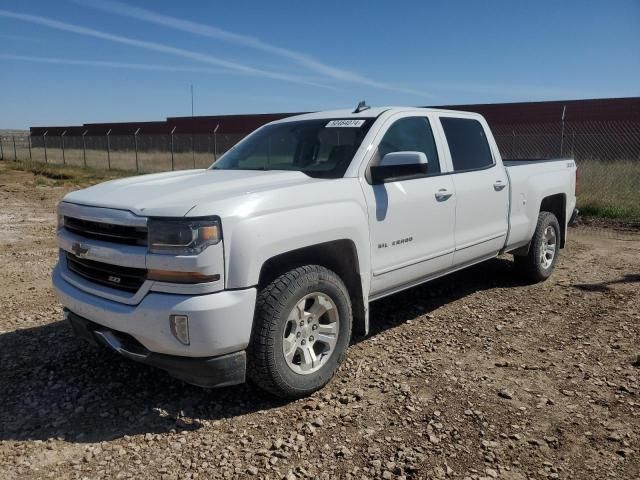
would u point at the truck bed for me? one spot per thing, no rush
(530, 181)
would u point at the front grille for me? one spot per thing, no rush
(107, 231)
(114, 276)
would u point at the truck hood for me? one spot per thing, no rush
(173, 194)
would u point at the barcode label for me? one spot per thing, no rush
(345, 123)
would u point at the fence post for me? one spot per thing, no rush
(215, 143)
(193, 153)
(1, 150)
(64, 161)
(108, 151)
(564, 110)
(15, 154)
(44, 140)
(29, 143)
(135, 145)
(172, 130)
(84, 149)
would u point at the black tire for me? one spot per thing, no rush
(530, 266)
(266, 363)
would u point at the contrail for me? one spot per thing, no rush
(158, 47)
(195, 28)
(109, 64)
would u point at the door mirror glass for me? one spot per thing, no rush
(396, 166)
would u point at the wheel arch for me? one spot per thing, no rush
(556, 204)
(339, 256)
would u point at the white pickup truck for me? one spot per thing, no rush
(262, 265)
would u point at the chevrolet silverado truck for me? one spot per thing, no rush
(263, 265)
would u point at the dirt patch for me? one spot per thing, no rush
(476, 375)
(613, 225)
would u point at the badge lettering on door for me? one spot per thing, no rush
(401, 241)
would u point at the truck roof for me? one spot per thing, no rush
(369, 113)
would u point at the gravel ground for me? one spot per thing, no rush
(473, 376)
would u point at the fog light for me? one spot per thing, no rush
(180, 328)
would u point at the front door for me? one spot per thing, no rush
(411, 221)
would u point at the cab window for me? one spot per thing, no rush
(411, 134)
(468, 144)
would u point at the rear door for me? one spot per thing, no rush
(411, 221)
(481, 186)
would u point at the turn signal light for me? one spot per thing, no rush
(181, 277)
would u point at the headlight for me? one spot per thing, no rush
(60, 220)
(183, 236)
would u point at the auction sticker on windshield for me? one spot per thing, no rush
(345, 123)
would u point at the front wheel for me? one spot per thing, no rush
(543, 254)
(302, 328)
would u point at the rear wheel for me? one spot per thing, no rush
(539, 263)
(302, 328)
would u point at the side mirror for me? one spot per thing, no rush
(398, 166)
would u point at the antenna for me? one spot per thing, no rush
(362, 106)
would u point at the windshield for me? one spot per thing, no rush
(319, 148)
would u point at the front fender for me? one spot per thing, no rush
(256, 239)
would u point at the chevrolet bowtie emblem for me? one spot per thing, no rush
(79, 250)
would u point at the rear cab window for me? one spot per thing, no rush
(468, 144)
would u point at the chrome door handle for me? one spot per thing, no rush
(499, 185)
(443, 194)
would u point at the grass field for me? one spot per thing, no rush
(606, 189)
(68, 174)
(148, 161)
(609, 189)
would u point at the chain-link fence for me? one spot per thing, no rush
(604, 141)
(607, 154)
(142, 153)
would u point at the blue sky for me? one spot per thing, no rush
(78, 61)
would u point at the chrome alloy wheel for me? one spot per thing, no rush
(311, 333)
(549, 245)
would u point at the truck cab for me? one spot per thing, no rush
(263, 265)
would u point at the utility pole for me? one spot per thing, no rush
(192, 100)
(193, 153)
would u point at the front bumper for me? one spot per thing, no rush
(205, 372)
(219, 323)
